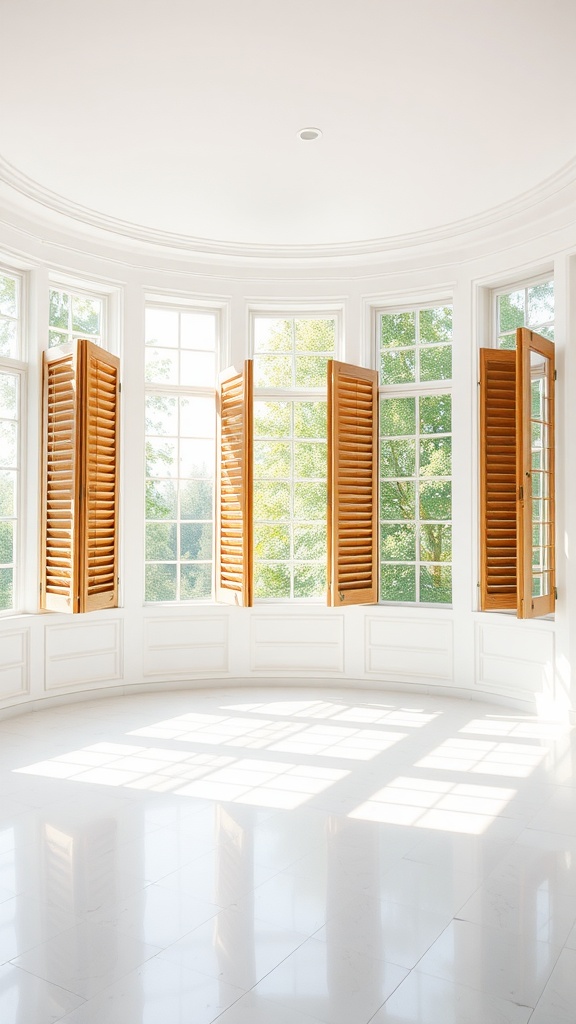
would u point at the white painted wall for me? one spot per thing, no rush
(45, 656)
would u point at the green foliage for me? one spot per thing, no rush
(8, 395)
(310, 420)
(6, 589)
(161, 499)
(271, 580)
(397, 417)
(59, 309)
(435, 414)
(314, 335)
(272, 459)
(161, 366)
(160, 582)
(310, 459)
(7, 494)
(309, 542)
(195, 542)
(196, 582)
(8, 296)
(540, 304)
(161, 542)
(272, 371)
(310, 371)
(272, 419)
(510, 311)
(436, 363)
(161, 415)
(397, 542)
(271, 541)
(397, 500)
(436, 584)
(397, 458)
(435, 326)
(436, 456)
(8, 444)
(397, 330)
(6, 543)
(435, 542)
(86, 314)
(398, 367)
(310, 501)
(272, 500)
(435, 499)
(160, 457)
(398, 583)
(309, 580)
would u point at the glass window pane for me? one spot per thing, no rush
(6, 589)
(436, 456)
(7, 493)
(310, 501)
(197, 417)
(161, 499)
(8, 296)
(271, 541)
(398, 367)
(272, 419)
(315, 335)
(309, 542)
(310, 371)
(271, 580)
(161, 457)
(398, 583)
(397, 458)
(397, 416)
(198, 330)
(310, 419)
(9, 339)
(435, 500)
(57, 338)
(86, 314)
(196, 582)
(310, 459)
(59, 309)
(435, 325)
(436, 584)
(160, 582)
(161, 541)
(397, 542)
(273, 371)
(540, 303)
(8, 444)
(197, 458)
(161, 415)
(272, 334)
(397, 500)
(436, 414)
(195, 542)
(196, 499)
(397, 330)
(435, 542)
(198, 369)
(436, 363)
(272, 500)
(161, 366)
(510, 311)
(272, 459)
(162, 328)
(6, 543)
(309, 581)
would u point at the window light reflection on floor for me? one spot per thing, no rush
(367, 714)
(429, 803)
(484, 757)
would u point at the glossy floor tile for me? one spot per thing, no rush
(277, 856)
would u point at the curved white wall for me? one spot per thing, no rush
(459, 650)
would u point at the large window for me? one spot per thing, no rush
(11, 373)
(73, 315)
(180, 439)
(530, 304)
(290, 356)
(415, 359)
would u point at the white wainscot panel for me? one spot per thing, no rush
(297, 643)
(83, 653)
(410, 650)
(184, 646)
(14, 663)
(515, 660)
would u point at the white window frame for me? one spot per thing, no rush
(522, 284)
(19, 368)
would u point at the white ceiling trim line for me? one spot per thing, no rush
(549, 189)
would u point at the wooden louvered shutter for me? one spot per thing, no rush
(60, 484)
(535, 376)
(80, 479)
(234, 571)
(498, 577)
(352, 485)
(99, 373)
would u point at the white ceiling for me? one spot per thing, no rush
(182, 115)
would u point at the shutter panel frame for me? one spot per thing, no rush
(352, 485)
(235, 544)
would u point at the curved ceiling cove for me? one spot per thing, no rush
(180, 119)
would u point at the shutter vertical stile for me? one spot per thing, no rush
(234, 571)
(498, 532)
(99, 373)
(60, 483)
(352, 485)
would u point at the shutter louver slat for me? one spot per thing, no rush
(352, 485)
(498, 534)
(234, 567)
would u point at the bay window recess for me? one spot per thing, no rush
(517, 558)
(79, 531)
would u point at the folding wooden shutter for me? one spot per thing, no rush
(60, 483)
(498, 578)
(80, 479)
(234, 572)
(352, 485)
(535, 473)
(99, 375)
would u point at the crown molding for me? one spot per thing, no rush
(539, 201)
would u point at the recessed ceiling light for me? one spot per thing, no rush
(309, 134)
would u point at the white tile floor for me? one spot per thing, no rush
(275, 856)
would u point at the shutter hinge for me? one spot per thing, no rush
(555, 374)
(555, 593)
(119, 386)
(521, 494)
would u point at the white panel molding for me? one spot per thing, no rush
(185, 646)
(516, 661)
(417, 650)
(14, 663)
(83, 653)
(297, 643)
